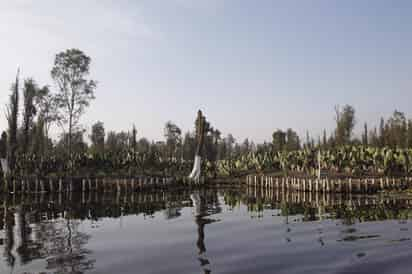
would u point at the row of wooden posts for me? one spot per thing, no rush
(51, 185)
(272, 195)
(330, 185)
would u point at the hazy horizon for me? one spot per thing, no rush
(252, 68)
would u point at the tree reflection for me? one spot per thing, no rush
(66, 251)
(9, 235)
(49, 229)
(205, 203)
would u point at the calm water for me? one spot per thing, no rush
(205, 231)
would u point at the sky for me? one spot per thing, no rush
(251, 66)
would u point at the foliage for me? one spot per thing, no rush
(349, 160)
(345, 123)
(12, 116)
(97, 137)
(75, 91)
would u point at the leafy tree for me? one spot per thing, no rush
(47, 109)
(396, 130)
(143, 145)
(279, 140)
(365, 135)
(40, 141)
(230, 142)
(246, 146)
(29, 111)
(292, 140)
(345, 123)
(12, 113)
(79, 146)
(325, 139)
(116, 142)
(410, 133)
(211, 148)
(97, 137)
(172, 134)
(134, 139)
(75, 91)
(3, 145)
(382, 140)
(307, 142)
(189, 146)
(374, 138)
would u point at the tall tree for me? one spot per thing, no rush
(3, 145)
(117, 142)
(40, 142)
(307, 139)
(134, 139)
(211, 145)
(382, 140)
(325, 139)
(172, 134)
(397, 130)
(279, 140)
(230, 142)
(345, 123)
(78, 144)
(75, 91)
(29, 111)
(374, 138)
(12, 114)
(143, 145)
(365, 135)
(97, 137)
(189, 146)
(47, 109)
(410, 133)
(292, 140)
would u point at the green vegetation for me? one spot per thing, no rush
(30, 151)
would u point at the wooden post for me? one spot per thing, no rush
(83, 185)
(60, 185)
(51, 187)
(118, 185)
(42, 185)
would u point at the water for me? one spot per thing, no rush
(205, 231)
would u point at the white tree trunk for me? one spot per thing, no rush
(195, 174)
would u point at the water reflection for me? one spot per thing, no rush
(205, 204)
(47, 228)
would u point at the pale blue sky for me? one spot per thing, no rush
(252, 66)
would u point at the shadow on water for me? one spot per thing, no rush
(46, 227)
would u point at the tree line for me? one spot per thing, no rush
(29, 148)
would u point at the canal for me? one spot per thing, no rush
(213, 230)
